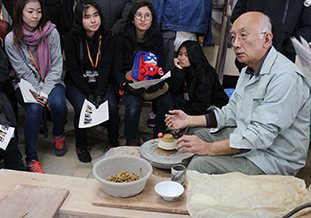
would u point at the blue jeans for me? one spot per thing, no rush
(33, 114)
(133, 108)
(76, 98)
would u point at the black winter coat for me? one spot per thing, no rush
(7, 115)
(206, 91)
(74, 76)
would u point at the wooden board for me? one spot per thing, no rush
(32, 201)
(147, 200)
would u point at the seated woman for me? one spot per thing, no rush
(194, 84)
(11, 155)
(33, 48)
(140, 34)
(89, 51)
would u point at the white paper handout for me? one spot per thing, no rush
(6, 133)
(29, 93)
(90, 116)
(147, 83)
(304, 55)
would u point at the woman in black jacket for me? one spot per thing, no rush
(141, 33)
(89, 49)
(194, 83)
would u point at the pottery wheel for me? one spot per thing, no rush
(161, 158)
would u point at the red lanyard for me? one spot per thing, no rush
(98, 50)
(33, 60)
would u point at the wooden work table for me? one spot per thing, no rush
(81, 194)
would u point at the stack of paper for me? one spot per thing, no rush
(90, 116)
(148, 83)
(6, 133)
(29, 93)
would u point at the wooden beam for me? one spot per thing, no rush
(223, 44)
(216, 25)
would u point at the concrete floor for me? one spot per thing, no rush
(69, 164)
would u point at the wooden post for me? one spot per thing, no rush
(223, 43)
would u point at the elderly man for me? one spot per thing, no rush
(289, 18)
(264, 129)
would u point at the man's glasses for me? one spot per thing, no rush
(139, 16)
(241, 36)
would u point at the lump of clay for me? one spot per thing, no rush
(168, 138)
(167, 142)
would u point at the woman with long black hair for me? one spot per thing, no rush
(194, 82)
(141, 33)
(89, 51)
(33, 48)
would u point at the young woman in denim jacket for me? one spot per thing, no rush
(141, 34)
(88, 73)
(34, 50)
(187, 16)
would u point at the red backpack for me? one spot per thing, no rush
(145, 66)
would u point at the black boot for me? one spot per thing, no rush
(83, 153)
(113, 144)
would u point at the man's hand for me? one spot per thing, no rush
(194, 144)
(177, 119)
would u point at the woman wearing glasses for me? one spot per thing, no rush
(34, 50)
(140, 34)
(89, 52)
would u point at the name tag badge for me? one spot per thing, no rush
(186, 96)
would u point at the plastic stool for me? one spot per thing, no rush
(229, 92)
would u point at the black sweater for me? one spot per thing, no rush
(7, 116)
(74, 76)
(206, 90)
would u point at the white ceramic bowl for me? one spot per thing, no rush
(169, 191)
(167, 145)
(109, 166)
